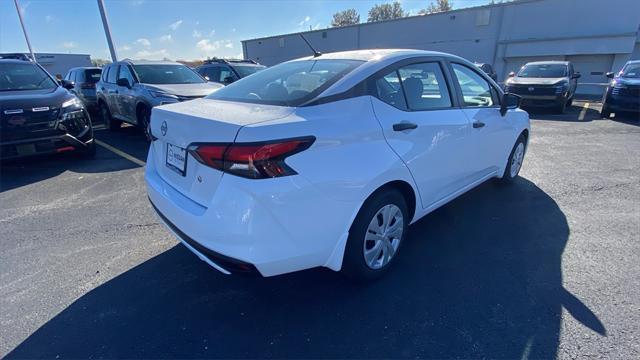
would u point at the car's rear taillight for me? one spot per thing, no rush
(251, 160)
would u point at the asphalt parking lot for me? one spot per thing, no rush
(545, 268)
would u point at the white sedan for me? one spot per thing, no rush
(326, 160)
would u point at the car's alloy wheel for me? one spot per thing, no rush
(376, 235)
(516, 160)
(383, 236)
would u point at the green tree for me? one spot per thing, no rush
(436, 7)
(345, 17)
(382, 12)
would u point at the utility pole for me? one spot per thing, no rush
(24, 30)
(107, 30)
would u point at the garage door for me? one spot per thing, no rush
(515, 63)
(593, 69)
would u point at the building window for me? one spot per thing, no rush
(281, 42)
(324, 34)
(483, 17)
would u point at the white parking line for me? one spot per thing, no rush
(583, 112)
(121, 153)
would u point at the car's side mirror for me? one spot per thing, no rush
(610, 75)
(123, 82)
(576, 76)
(67, 84)
(228, 80)
(512, 74)
(509, 101)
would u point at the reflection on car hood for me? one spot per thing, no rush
(202, 89)
(534, 81)
(28, 99)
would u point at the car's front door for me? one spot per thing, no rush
(126, 96)
(490, 131)
(424, 126)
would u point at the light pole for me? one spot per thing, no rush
(107, 30)
(24, 30)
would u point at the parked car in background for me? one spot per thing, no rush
(226, 71)
(38, 115)
(325, 160)
(83, 84)
(129, 89)
(623, 92)
(544, 84)
(488, 69)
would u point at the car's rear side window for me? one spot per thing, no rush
(415, 87)
(105, 73)
(424, 86)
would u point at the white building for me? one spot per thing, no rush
(596, 35)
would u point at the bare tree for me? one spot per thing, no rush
(345, 17)
(386, 12)
(438, 6)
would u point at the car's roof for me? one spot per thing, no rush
(149, 62)
(376, 54)
(633, 62)
(559, 62)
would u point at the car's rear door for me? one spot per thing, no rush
(490, 131)
(109, 89)
(423, 125)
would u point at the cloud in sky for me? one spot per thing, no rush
(144, 42)
(152, 54)
(174, 26)
(166, 38)
(305, 20)
(208, 47)
(124, 48)
(196, 34)
(49, 19)
(69, 45)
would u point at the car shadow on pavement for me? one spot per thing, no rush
(20, 172)
(571, 114)
(479, 278)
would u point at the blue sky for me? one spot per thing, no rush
(153, 29)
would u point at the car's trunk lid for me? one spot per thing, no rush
(201, 121)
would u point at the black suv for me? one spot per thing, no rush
(39, 115)
(226, 71)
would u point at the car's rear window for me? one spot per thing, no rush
(167, 74)
(288, 84)
(92, 75)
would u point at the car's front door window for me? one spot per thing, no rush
(476, 91)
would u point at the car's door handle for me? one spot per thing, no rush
(478, 124)
(404, 126)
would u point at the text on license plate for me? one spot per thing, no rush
(177, 158)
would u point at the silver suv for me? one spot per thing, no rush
(128, 89)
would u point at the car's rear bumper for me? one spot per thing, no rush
(274, 226)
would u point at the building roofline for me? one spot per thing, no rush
(513, 2)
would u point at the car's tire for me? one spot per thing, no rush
(605, 113)
(514, 164)
(144, 115)
(109, 122)
(375, 236)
